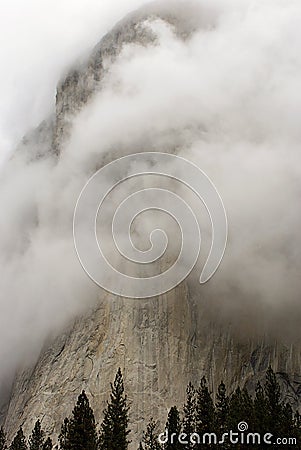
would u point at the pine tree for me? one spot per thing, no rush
(273, 402)
(222, 407)
(173, 427)
(48, 444)
(260, 410)
(287, 422)
(297, 418)
(114, 428)
(64, 436)
(247, 412)
(241, 408)
(235, 409)
(288, 425)
(205, 412)
(150, 437)
(81, 433)
(189, 419)
(297, 423)
(19, 442)
(2, 439)
(222, 413)
(36, 439)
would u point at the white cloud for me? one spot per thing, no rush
(228, 97)
(39, 41)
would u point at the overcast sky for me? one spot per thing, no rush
(38, 40)
(229, 98)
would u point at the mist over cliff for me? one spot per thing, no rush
(217, 82)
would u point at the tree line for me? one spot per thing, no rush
(201, 416)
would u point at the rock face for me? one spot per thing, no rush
(149, 340)
(160, 344)
(80, 84)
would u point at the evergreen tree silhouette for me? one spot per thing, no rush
(247, 411)
(274, 404)
(19, 442)
(81, 433)
(267, 413)
(235, 415)
(64, 436)
(189, 415)
(173, 427)
(114, 428)
(287, 423)
(235, 409)
(36, 439)
(260, 410)
(241, 409)
(2, 439)
(150, 436)
(222, 413)
(297, 423)
(222, 407)
(48, 444)
(205, 413)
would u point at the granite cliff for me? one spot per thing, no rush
(161, 344)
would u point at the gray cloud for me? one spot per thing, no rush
(39, 42)
(228, 98)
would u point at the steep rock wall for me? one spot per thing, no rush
(161, 344)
